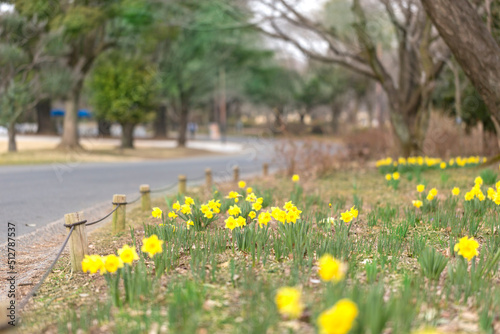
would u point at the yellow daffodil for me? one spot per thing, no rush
(172, 215)
(233, 195)
(338, 319)
(346, 216)
(252, 214)
(469, 196)
(111, 264)
(455, 191)
(388, 177)
(395, 176)
(92, 263)
(249, 190)
(231, 223)
(128, 254)
(496, 198)
(478, 181)
(186, 209)
(288, 301)
(433, 192)
(156, 212)
(189, 223)
(420, 188)
(349, 215)
(242, 184)
(354, 212)
(467, 247)
(241, 221)
(417, 203)
(288, 205)
(264, 218)
(152, 245)
(491, 193)
(256, 206)
(188, 200)
(442, 165)
(251, 198)
(234, 210)
(331, 269)
(176, 206)
(292, 216)
(214, 205)
(295, 178)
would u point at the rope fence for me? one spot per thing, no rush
(76, 225)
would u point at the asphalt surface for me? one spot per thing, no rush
(34, 196)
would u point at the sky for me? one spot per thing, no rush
(6, 7)
(285, 49)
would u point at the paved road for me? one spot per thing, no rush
(42, 194)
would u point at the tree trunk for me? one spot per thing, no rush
(410, 127)
(183, 121)
(473, 46)
(103, 128)
(497, 129)
(160, 124)
(335, 112)
(127, 135)
(46, 125)
(12, 137)
(278, 125)
(302, 118)
(70, 136)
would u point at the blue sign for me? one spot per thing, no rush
(82, 113)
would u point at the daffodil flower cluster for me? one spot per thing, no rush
(192, 214)
(110, 263)
(238, 215)
(389, 165)
(289, 214)
(432, 194)
(393, 180)
(119, 268)
(476, 192)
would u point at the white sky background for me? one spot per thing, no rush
(284, 49)
(6, 7)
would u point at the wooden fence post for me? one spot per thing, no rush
(119, 214)
(182, 184)
(265, 169)
(236, 174)
(208, 178)
(78, 246)
(145, 197)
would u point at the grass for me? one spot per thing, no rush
(403, 273)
